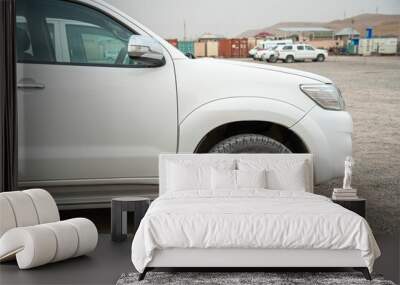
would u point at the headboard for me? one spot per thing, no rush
(165, 158)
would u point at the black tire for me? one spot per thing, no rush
(249, 143)
(289, 59)
(272, 59)
(320, 58)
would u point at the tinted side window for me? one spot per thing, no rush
(287, 48)
(309, 48)
(57, 31)
(23, 38)
(300, 47)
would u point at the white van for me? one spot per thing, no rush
(100, 96)
(266, 45)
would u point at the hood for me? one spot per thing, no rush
(202, 81)
(273, 68)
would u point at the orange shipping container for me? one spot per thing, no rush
(244, 50)
(235, 47)
(225, 48)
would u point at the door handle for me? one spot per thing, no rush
(29, 83)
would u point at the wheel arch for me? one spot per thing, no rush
(272, 130)
(227, 117)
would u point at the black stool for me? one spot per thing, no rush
(119, 208)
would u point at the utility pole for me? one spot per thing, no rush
(184, 29)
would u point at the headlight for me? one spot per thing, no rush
(328, 96)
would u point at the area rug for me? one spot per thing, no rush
(244, 278)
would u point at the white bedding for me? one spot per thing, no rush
(250, 219)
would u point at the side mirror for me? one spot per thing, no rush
(146, 50)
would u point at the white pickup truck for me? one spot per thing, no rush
(300, 52)
(100, 96)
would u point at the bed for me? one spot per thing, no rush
(246, 211)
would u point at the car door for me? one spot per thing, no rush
(300, 52)
(86, 110)
(311, 54)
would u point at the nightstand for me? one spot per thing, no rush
(119, 209)
(358, 205)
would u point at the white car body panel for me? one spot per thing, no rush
(219, 112)
(107, 125)
(71, 131)
(328, 142)
(228, 79)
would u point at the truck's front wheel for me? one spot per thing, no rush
(320, 58)
(249, 143)
(273, 59)
(289, 59)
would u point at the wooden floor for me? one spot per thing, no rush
(110, 260)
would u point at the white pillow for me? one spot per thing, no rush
(251, 178)
(223, 179)
(193, 174)
(226, 179)
(284, 174)
(187, 177)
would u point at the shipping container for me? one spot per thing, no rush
(186, 47)
(377, 46)
(365, 47)
(235, 47)
(385, 45)
(244, 49)
(199, 49)
(173, 42)
(212, 49)
(225, 48)
(251, 43)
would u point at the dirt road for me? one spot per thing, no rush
(371, 87)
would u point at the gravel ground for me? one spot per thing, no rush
(371, 87)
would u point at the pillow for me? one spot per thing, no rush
(227, 179)
(188, 174)
(223, 179)
(251, 178)
(282, 174)
(181, 177)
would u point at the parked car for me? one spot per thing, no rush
(270, 55)
(301, 52)
(253, 51)
(93, 121)
(267, 44)
(258, 54)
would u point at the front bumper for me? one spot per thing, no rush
(328, 136)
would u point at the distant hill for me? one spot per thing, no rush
(383, 25)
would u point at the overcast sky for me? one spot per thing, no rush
(232, 17)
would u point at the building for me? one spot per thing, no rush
(306, 33)
(346, 34)
(264, 35)
(210, 37)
